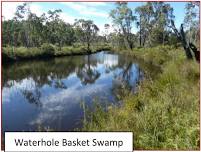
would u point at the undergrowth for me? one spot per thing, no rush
(164, 112)
(46, 50)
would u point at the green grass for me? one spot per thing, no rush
(21, 53)
(164, 113)
(47, 50)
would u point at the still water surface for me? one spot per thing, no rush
(49, 93)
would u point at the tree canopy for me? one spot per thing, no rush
(152, 19)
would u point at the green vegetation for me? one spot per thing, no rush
(28, 35)
(47, 50)
(164, 112)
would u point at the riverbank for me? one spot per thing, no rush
(164, 112)
(10, 54)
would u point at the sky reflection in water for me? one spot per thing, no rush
(49, 93)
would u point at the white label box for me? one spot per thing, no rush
(69, 141)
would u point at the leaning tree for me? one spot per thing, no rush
(190, 49)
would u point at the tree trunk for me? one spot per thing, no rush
(140, 33)
(144, 39)
(195, 51)
(190, 49)
(88, 47)
(127, 41)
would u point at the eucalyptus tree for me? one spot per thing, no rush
(86, 31)
(144, 22)
(106, 27)
(10, 33)
(29, 28)
(163, 14)
(65, 33)
(58, 32)
(21, 14)
(123, 18)
(191, 21)
(53, 27)
(15, 32)
(36, 29)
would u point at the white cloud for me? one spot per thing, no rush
(87, 8)
(54, 107)
(37, 9)
(102, 28)
(67, 18)
(94, 3)
(9, 8)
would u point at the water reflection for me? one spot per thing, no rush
(48, 93)
(88, 74)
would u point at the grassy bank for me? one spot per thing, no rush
(46, 50)
(164, 112)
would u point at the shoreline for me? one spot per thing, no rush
(9, 56)
(158, 101)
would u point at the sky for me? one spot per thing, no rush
(96, 11)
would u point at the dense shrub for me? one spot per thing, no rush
(48, 49)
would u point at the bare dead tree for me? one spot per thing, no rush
(190, 49)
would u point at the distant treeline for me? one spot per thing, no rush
(151, 19)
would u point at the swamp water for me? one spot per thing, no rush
(49, 93)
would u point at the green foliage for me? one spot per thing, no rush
(35, 30)
(152, 18)
(123, 17)
(153, 22)
(164, 112)
(86, 31)
(11, 53)
(173, 40)
(191, 22)
(48, 49)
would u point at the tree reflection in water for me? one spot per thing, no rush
(57, 86)
(33, 96)
(88, 74)
(55, 71)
